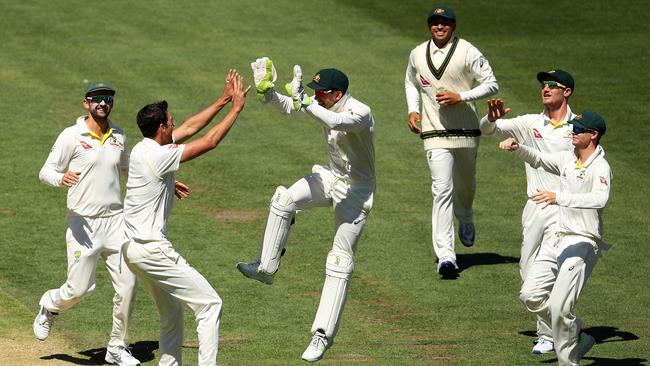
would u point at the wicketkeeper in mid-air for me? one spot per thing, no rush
(347, 183)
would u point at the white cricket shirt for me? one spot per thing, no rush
(584, 189)
(77, 149)
(349, 130)
(536, 131)
(150, 189)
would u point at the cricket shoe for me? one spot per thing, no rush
(585, 342)
(43, 323)
(251, 270)
(122, 357)
(543, 346)
(466, 234)
(447, 267)
(316, 348)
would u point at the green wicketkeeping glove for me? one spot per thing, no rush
(264, 75)
(296, 91)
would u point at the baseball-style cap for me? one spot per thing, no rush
(329, 79)
(94, 86)
(558, 75)
(590, 121)
(442, 11)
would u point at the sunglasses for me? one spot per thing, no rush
(321, 93)
(578, 130)
(552, 85)
(108, 99)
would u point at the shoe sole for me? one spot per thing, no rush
(261, 278)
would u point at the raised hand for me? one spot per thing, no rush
(228, 85)
(296, 91)
(496, 109)
(239, 92)
(264, 75)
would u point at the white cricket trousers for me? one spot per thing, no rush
(453, 184)
(172, 283)
(87, 239)
(552, 286)
(537, 226)
(352, 203)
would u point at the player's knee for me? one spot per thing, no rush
(282, 202)
(442, 189)
(78, 292)
(340, 264)
(532, 300)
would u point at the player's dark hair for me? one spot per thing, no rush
(151, 116)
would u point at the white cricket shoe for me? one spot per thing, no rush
(585, 342)
(251, 270)
(466, 234)
(122, 357)
(43, 323)
(316, 348)
(543, 346)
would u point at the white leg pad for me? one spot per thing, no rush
(281, 214)
(338, 271)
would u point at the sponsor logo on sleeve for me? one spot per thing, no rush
(536, 134)
(603, 180)
(173, 146)
(85, 145)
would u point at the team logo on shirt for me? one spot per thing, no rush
(603, 180)
(424, 81)
(77, 255)
(536, 134)
(582, 174)
(115, 143)
(85, 145)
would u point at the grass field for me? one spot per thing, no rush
(398, 311)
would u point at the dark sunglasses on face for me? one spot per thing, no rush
(552, 85)
(100, 98)
(321, 93)
(578, 130)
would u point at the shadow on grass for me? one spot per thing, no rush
(482, 259)
(142, 350)
(603, 334)
(603, 361)
(465, 261)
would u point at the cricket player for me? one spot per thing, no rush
(346, 183)
(547, 132)
(167, 276)
(444, 76)
(87, 159)
(561, 268)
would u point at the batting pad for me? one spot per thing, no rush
(281, 213)
(338, 271)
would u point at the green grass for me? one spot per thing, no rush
(399, 312)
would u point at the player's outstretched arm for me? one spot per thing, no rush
(197, 122)
(217, 133)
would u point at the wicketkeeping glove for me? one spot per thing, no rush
(296, 91)
(264, 75)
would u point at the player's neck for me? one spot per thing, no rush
(558, 113)
(584, 153)
(98, 126)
